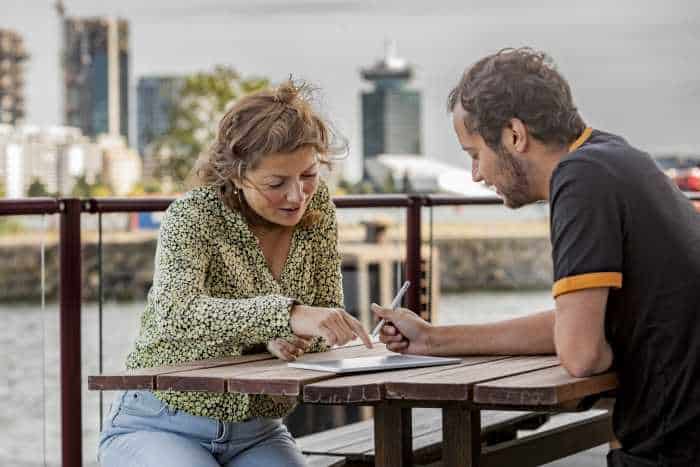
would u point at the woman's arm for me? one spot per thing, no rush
(183, 310)
(328, 278)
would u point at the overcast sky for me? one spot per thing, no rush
(634, 66)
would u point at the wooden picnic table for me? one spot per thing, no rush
(537, 383)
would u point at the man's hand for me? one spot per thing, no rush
(290, 348)
(404, 331)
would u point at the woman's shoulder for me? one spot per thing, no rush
(322, 197)
(322, 205)
(199, 203)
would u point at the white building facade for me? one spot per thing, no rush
(54, 156)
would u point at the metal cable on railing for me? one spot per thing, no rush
(100, 298)
(43, 339)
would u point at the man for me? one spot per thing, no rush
(625, 247)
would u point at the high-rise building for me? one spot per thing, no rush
(390, 112)
(155, 102)
(12, 54)
(96, 75)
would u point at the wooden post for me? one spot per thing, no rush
(69, 324)
(461, 437)
(413, 253)
(393, 438)
(363, 292)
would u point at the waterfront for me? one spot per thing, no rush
(29, 421)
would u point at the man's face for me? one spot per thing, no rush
(497, 169)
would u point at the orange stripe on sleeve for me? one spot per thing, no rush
(587, 281)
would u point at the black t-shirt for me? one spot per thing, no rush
(617, 221)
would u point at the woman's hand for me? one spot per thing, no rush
(290, 348)
(335, 325)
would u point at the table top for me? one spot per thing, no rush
(498, 382)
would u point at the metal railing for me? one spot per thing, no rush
(70, 211)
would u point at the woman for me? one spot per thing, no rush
(247, 259)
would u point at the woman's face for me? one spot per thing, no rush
(280, 188)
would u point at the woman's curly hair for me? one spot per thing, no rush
(275, 120)
(517, 83)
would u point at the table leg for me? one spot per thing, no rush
(393, 439)
(461, 437)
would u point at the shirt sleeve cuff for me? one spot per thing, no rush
(587, 281)
(277, 318)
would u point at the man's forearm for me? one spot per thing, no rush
(530, 335)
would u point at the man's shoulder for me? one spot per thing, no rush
(605, 159)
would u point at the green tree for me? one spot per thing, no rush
(203, 99)
(146, 187)
(362, 187)
(37, 188)
(389, 186)
(83, 189)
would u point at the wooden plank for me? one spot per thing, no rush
(455, 384)
(392, 435)
(324, 461)
(461, 445)
(269, 376)
(551, 387)
(290, 381)
(145, 378)
(356, 441)
(551, 444)
(370, 387)
(495, 425)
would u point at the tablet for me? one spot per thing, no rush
(385, 362)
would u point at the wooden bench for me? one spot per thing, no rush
(354, 444)
(314, 460)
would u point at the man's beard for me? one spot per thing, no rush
(517, 192)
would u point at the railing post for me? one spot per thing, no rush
(413, 252)
(69, 322)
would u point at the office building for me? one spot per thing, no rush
(96, 75)
(12, 58)
(391, 113)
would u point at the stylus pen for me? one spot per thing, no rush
(394, 303)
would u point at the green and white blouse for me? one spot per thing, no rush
(213, 295)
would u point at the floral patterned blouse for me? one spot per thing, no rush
(213, 295)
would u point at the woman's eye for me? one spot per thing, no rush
(310, 175)
(276, 185)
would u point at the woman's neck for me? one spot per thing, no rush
(270, 231)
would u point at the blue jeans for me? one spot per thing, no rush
(142, 431)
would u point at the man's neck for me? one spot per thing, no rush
(547, 162)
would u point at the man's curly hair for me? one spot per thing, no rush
(517, 83)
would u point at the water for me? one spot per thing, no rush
(29, 404)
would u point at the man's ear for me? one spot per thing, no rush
(515, 137)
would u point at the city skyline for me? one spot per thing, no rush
(633, 70)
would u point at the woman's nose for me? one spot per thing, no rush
(295, 194)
